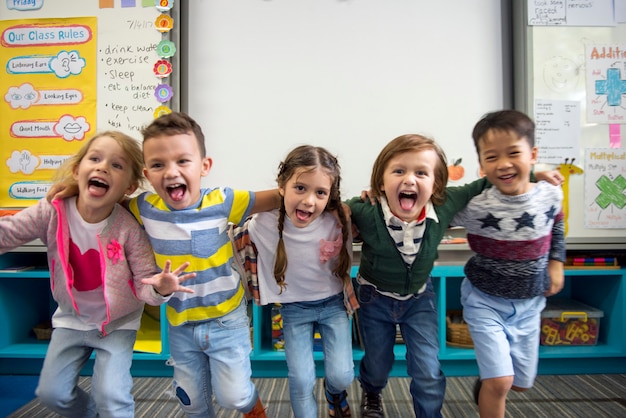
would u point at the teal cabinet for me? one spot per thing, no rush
(603, 289)
(25, 301)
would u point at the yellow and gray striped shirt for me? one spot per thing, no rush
(198, 234)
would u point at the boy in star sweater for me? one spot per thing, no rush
(516, 229)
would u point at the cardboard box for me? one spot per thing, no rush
(569, 322)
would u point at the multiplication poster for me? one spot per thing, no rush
(48, 104)
(605, 188)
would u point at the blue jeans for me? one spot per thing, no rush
(418, 320)
(213, 357)
(111, 382)
(334, 326)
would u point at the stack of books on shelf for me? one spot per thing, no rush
(592, 263)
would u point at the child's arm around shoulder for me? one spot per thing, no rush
(553, 177)
(245, 255)
(61, 191)
(26, 225)
(266, 200)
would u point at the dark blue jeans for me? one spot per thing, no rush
(418, 320)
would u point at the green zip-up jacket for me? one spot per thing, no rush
(381, 262)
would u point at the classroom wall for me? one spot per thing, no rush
(264, 76)
(551, 65)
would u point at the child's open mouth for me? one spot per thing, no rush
(176, 192)
(97, 187)
(407, 200)
(302, 215)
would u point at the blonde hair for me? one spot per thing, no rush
(411, 143)
(310, 158)
(129, 145)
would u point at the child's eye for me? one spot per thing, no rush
(421, 173)
(398, 171)
(118, 166)
(322, 193)
(299, 187)
(156, 165)
(94, 159)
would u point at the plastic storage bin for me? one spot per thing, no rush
(569, 322)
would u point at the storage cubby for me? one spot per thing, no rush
(603, 289)
(25, 301)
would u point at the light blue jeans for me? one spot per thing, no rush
(111, 382)
(418, 320)
(213, 357)
(299, 320)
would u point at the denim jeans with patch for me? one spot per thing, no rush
(213, 357)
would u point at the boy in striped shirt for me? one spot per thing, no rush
(208, 332)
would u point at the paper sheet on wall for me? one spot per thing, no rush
(557, 130)
(49, 101)
(571, 13)
(605, 188)
(606, 82)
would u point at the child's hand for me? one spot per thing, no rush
(366, 194)
(61, 191)
(166, 282)
(551, 176)
(555, 271)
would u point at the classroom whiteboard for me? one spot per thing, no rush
(552, 65)
(114, 88)
(350, 75)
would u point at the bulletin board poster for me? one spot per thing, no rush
(605, 188)
(606, 83)
(48, 106)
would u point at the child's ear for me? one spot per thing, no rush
(131, 189)
(207, 163)
(534, 152)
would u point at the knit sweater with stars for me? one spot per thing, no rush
(514, 237)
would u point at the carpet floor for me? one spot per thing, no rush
(581, 396)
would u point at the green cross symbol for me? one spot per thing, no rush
(611, 192)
